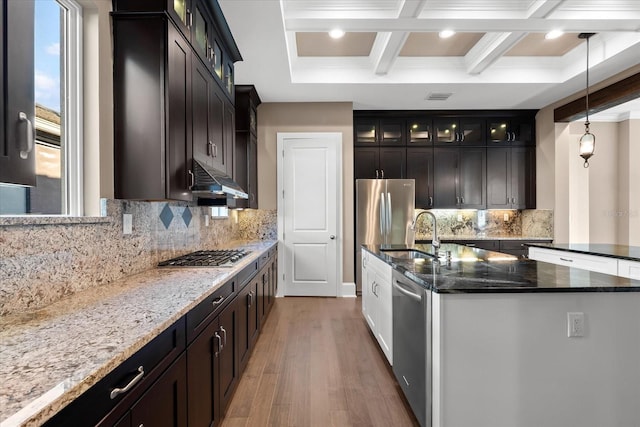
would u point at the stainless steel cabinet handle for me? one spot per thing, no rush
(566, 259)
(225, 336)
(250, 299)
(398, 285)
(209, 148)
(430, 200)
(189, 18)
(26, 142)
(216, 336)
(373, 288)
(461, 136)
(218, 300)
(192, 179)
(382, 173)
(332, 237)
(508, 136)
(117, 391)
(376, 173)
(462, 200)
(471, 244)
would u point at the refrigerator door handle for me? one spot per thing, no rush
(389, 217)
(383, 219)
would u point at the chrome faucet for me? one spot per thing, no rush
(434, 241)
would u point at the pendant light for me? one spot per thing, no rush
(588, 140)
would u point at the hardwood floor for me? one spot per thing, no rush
(316, 364)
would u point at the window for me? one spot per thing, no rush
(58, 96)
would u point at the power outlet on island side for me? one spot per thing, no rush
(575, 324)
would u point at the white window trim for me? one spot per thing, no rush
(72, 119)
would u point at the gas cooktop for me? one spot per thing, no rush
(213, 258)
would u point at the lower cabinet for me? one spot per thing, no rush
(248, 321)
(377, 301)
(164, 403)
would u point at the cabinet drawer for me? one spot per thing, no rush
(200, 316)
(247, 273)
(629, 269)
(263, 260)
(154, 358)
(570, 259)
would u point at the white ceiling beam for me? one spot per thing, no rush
(391, 43)
(460, 25)
(490, 48)
(493, 46)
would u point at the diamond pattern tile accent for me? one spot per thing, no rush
(187, 216)
(166, 216)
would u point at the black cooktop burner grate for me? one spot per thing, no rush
(213, 258)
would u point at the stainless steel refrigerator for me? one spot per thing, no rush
(384, 212)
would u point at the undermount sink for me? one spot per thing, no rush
(407, 254)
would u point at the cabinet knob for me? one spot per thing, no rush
(332, 237)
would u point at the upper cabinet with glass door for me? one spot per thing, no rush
(459, 131)
(372, 131)
(511, 131)
(419, 132)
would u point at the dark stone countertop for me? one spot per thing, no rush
(631, 253)
(473, 270)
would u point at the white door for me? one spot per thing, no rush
(309, 209)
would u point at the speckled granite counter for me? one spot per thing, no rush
(473, 270)
(494, 237)
(631, 253)
(51, 356)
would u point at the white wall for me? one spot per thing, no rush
(505, 360)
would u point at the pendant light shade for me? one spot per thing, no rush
(588, 140)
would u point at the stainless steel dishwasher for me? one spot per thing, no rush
(412, 344)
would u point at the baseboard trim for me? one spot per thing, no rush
(347, 290)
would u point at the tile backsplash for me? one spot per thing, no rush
(42, 263)
(487, 224)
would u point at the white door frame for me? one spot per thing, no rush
(281, 141)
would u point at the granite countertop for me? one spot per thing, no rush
(611, 251)
(492, 237)
(51, 356)
(473, 270)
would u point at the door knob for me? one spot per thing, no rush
(332, 237)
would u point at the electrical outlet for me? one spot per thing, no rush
(506, 217)
(206, 220)
(459, 217)
(127, 223)
(575, 324)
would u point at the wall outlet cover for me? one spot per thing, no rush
(127, 223)
(575, 324)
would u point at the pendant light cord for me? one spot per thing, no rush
(587, 97)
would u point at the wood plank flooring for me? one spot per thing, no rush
(317, 364)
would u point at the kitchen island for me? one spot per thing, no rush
(499, 350)
(50, 357)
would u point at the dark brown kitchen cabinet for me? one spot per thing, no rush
(17, 105)
(212, 369)
(511, 131)
(380, 162)
(460, 178)
(248, 321)
(511, 178)
(375, 132)
(459, 130)
(420, 167)
(419, 131)
(164, 404)
(246, 145)
(152, 109)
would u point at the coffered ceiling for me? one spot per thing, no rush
(392, 57)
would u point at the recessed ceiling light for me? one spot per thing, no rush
(336, 33)
(553, 34)
(445, 34)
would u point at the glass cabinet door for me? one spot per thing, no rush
(365, 132)
(392, 132)
(180, 10)
(445, 131)
(201, 32)
(419, 132)
(216, 61)
(228, 77)
(471, 131)
(498, 132)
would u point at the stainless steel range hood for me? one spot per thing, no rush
(211, 183)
